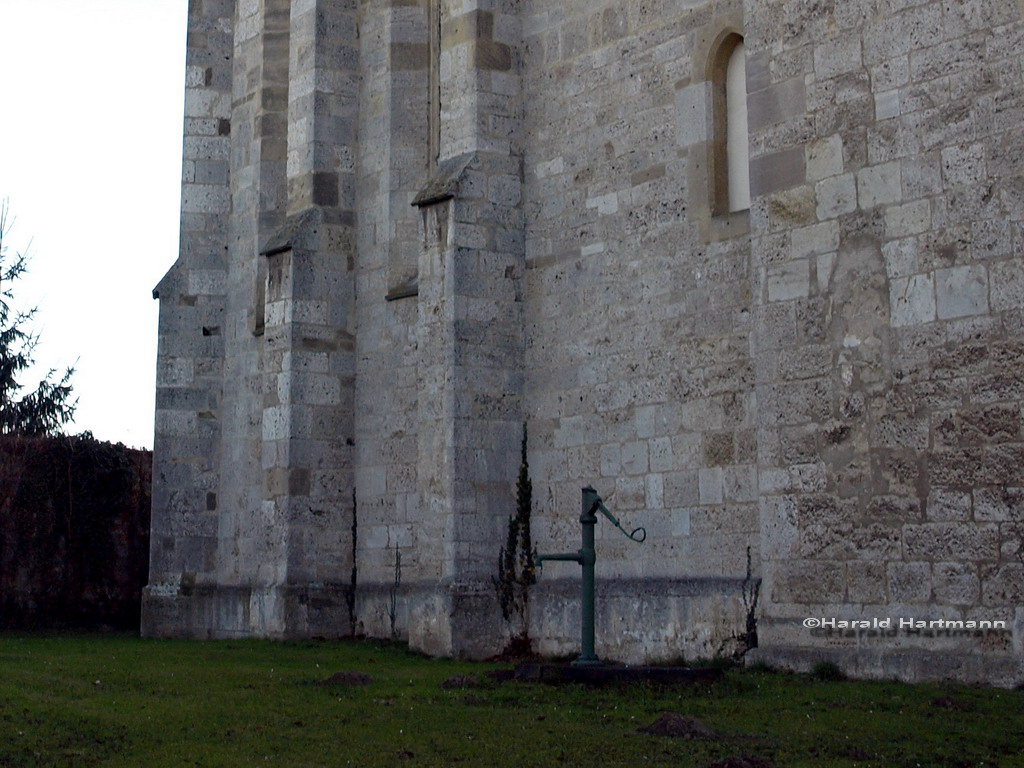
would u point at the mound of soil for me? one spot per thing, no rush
(679, 727)
(347, 679)
(461, 681)
(952, 704)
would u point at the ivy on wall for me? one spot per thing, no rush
(74, 532)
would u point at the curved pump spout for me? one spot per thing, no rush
(586, 557)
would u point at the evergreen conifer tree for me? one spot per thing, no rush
(48, 407)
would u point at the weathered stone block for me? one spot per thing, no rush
(1002, 584)
(777, 171)
(710, 486)
(963, 165)
(866, 582)
(836, 195)
(961, 291)
(999, 505)
(1007, 285)
(809, 581)
(824, 158)
(909, 219)
(909, 582)
(879, 185)
(887, 104)
(837, 56)
(956, 583)
(945, 504)
(692, 115)
(776, 103)
(951, 542)
(634, 458)
(912, 300)
(788, 281)
(818, 239)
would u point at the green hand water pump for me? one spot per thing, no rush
(586, 557)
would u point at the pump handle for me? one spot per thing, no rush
(632, 536)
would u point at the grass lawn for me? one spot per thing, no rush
(116, 700)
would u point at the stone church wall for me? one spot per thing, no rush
(410, 228)
(640, 378)
(888, 262)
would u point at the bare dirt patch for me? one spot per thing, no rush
(461, 681)
(678, 727)
(952, 704)
(347, 679)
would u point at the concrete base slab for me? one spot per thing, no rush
(604, 674)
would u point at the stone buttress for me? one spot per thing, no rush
(276, 552)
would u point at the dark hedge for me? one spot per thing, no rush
(74, 532)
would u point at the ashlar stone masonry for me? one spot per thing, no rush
(411, 227)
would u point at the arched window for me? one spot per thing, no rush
(737, 152)
(730, 151)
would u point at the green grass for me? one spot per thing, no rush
(115, 700)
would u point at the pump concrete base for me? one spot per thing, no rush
(603, 674)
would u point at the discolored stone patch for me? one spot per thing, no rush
(678, 727)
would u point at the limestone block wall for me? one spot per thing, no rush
(410, 227)
(309, 334)
(440, 356)
(640, 378)
(887, 275)
(251, 544)
(276, 553)
(393, 163)
(186, 498)
(483, 282)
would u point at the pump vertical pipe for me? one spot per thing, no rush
(588, 556)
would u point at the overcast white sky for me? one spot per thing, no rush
(90, 160)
